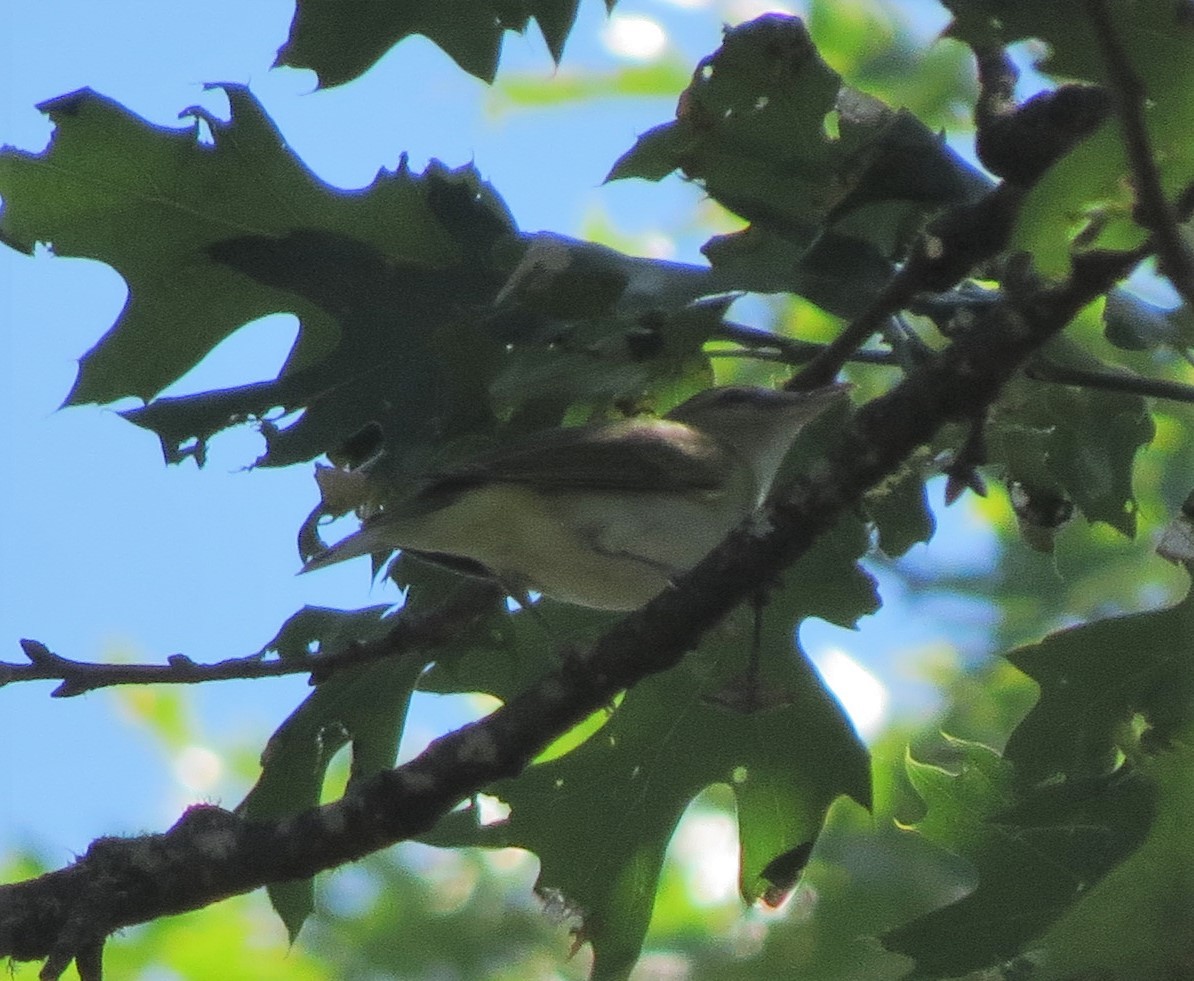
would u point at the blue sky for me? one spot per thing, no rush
(111, 555)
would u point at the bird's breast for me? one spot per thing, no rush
(604, 549)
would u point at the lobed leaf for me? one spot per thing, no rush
(1034, 856)
(1099, 681)
(1073, 443)
(153, 202)
(363, 706)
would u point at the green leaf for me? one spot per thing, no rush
(424, 352)
(1134, 324)
(1137, 922)
(600, 359)
(152, 202)
(341, 39)
(1073, 442)
(316, 628)
(414, 295)
(655, 154)
(395, 287)
(365, 706)
(406, 361)
(568, 278)
(512, 652)
(1034, 857)
(1087, 777)
(838, 274)
(1101, 683)
(900, 509)
(600, 817)
(773, 135)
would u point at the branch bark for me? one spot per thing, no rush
(424, 632)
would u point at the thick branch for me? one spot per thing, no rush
(1154, 210)
(211, 854)
(953, 243)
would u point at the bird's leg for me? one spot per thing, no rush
(758, 602)
(526, 605)
(745, 692)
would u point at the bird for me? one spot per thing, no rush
(603, 515)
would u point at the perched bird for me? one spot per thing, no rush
(603, 515)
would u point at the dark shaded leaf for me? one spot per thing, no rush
(152, 202)
(1134, 324)
(365, 706)
(1071, 443)
(341, 39)
(316, 628)
(900, 509)
(1103, 684)
(772, 134)
(1138, 920)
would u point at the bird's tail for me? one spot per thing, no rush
(364, 542)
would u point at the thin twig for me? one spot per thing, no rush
(823, 368)
(1154, 210)
(424, 631)
(77, 677)
(790, 350)
(1127, 382)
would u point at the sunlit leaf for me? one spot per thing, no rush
(1096, 679)
(601, 816)
(1033, 856)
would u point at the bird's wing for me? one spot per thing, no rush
(648, 455)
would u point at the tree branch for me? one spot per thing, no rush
(1018, 143)
(430, 630)
(423, 631)
(1154, 210)
(790, 350)
(945, 251)
(211, 854)
(1041, 369)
